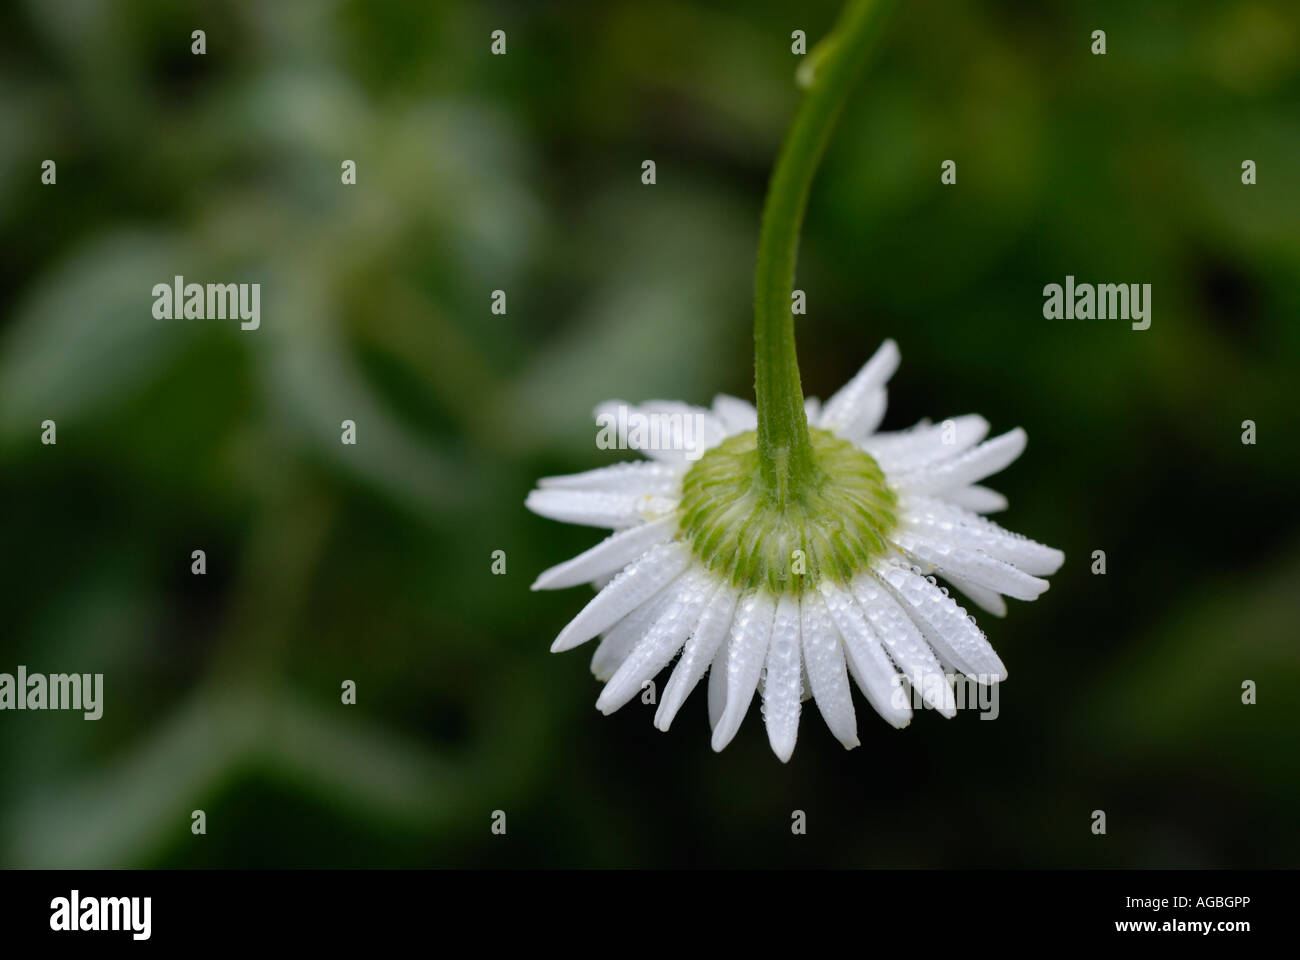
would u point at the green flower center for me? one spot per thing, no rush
(832, 526)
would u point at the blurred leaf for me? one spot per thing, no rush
(86, 336)
(369, 769)
(314, 386)
(121, 815)
(661, 325)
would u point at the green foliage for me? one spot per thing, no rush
(373, 563)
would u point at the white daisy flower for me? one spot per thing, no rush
(788, 592)
(784, 547)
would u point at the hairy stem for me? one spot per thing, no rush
(785, 451)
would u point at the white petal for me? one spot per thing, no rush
(737, 415)
(988, 600)
(857, 408)
(696, 428)
(867, 417)
(679, 617)
(617, 642)
(718, 685)
(937, 520)
(663, 429)
(636, 476)
(945, 625)
(870, 665)
(631, 588)
(912, 449)
(905, 644)
(745, 652)
(700, 651)
(783, 680)
(598, 509)
(973, 465)
(972, 565)
(609, 556)
(823, 653)
(812, 408)
(976, 498)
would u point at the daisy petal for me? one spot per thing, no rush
(699, 652)
(638, 476)
(631, 588)
(973, 465)
(905, 644)
(922, 445)
(972, 565)
(988, 600)
(617, 642)
(666, 430)
(977, 499)
(696, 427)
(598, 509)
(745, 652)
(680, 615)
(812, 408)
(871, 667)
(823, 653)
(937, 520)
(718, 686)
(945, 625)
(857, 408)
(783, 681)
(867, 418)
(736, 415)
(609, 556)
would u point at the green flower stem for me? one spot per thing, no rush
(786, 461)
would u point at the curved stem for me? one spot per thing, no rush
(784, 448)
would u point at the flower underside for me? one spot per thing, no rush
(829, 527)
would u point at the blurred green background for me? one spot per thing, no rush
(475, 172)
